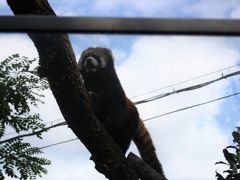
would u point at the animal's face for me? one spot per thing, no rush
(93, 60)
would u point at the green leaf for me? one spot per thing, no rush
(20, 88)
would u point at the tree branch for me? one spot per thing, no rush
(58, 65)
(143, 170)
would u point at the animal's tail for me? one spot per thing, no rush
(145, 146)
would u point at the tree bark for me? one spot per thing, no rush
(143, 170)
(58, 64)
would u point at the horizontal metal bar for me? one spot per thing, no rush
(54, 24)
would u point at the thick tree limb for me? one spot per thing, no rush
(58, 65)
(143, 170)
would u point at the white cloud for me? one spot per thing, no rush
(3, 6)
(235, 13)
(2, 3)
(167, 60)
(119, 55)
(148, 8)
(213, 8)
(188, 142)
(70, 8)
(16, 43)
(74, 169)
(133, 8)
(143, 8)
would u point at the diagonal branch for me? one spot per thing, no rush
(58, 65)
(144, 171)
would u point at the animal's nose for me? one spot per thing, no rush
(90, 62)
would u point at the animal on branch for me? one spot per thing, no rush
(111, 106)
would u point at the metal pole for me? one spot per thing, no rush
(53, 24)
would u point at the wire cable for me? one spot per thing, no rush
(169, 93)
(48, 122)
(149, 100)
(33, 133)
(190, 88)
(154, 117)
(188, 80)
(192, 106)
(58, 143)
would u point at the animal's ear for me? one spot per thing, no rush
(109, 52)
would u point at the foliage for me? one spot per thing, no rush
(19, 90)
(233, 159)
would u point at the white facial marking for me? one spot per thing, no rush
(90, 64)
(91, 60)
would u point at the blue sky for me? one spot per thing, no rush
(144, 8)
(189, 142)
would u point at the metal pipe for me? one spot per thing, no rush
(53, 24)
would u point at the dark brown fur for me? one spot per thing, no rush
(111, 106)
